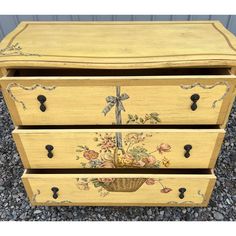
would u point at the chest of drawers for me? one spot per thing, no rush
(119, 113)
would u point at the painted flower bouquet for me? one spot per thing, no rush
(132, 155)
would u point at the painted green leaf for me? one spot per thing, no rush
(154, 114)
(84, 179)
(97, 184)
(130, 116)
(79, 150)
(138, 152)
(83, 164)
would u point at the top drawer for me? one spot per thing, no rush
(64, 98)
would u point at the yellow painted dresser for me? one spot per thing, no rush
(119, 113)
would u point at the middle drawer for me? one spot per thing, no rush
(118, 148)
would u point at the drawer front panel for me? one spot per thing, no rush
(71, 102)
(118, 189)
(64, 105)
(172, 105)
(151, 148)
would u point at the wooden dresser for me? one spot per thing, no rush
(119, 113)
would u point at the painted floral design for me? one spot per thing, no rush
(90, 154)
(152, 118)
(14, 50)
(107, 185)
(134, 154)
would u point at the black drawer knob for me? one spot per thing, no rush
(194, 98)
(42, 99)
(49, 148)
(55, 192)
(181, 192)
(187, 149)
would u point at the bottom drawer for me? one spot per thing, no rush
(157, 187)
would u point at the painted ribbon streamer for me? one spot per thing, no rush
(33, 87)
(117, 102)
(210, 87)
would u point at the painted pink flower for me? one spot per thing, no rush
(108, 142)
(90, 154)
(106, 180)
(107, 164)
(164, 147)
(106, 156)
(149, 161)
(166, 190)
(83, 186)
(134, 137)
(150, 181)
(140, 163)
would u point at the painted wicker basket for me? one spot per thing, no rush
(124, 184)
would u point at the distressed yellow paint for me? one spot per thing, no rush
(119, 44)
(66, 142)
(79, 100)
(198, 190)
(82, 100)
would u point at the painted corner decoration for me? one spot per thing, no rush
(133, 153)
(203, 86)
(48, 202)
(30, 88)
(107, 185)
(15, 50)
(199, 194)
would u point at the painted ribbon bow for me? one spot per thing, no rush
(112, 101)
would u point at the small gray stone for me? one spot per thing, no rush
(218, 216)
(22, 216)
(37, 212)
(149, 212)
(2, 188)
(228, 201)
(161, 213)
(234, 198)
(3, 215)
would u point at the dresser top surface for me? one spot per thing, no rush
(118, 45)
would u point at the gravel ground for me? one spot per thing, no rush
(14, 204)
